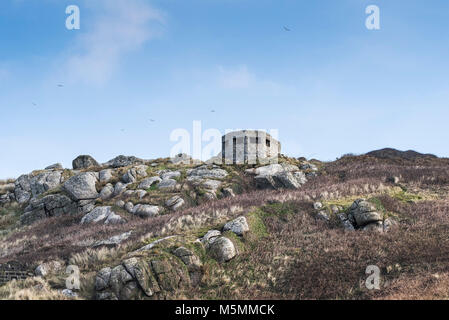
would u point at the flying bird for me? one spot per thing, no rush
(60, 85)
(286, 29)
(212, 111)
(152, 120)
(34, 104)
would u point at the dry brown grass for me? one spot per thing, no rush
(29, 289)
(299, 257)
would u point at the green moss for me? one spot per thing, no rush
(152, 188)
(377, 203)
(407, 197)
(256, 223)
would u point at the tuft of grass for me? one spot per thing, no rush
(30, 289)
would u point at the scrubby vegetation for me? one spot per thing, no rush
(288, 253)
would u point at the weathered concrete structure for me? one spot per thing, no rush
(249, 147)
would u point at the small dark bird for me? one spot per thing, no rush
(122, 130)
(152, 120)
(60, 85)
(34, 104)
(212, 111)
(286, 29)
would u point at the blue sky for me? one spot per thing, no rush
(329, 86)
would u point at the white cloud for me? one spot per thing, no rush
(236, 78)
(242, 78)
(122, 27)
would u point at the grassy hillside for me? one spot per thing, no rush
(288, 252)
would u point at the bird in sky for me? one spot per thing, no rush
(34, 104)
(152, 120)
(60, 85)
(212, 111)
(286, 29)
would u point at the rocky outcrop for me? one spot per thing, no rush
(45, 181)
(145, 275)
(49, 206)
(22, 189)
(84, 162)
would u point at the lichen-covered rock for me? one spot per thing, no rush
(22, 189)
(222, 249)
(84, 162)
(145, 210)
(175, 203)
(45, 181)
(141, 193)
(105, 175)
(239, 226)
(193, 263)
(149, 182)
(364, 212)
(170, 175)
(56, 166)
(210, 237)
(113, 241)
(49, 206)
(211, 185)
(143, 276)
(107, 191)
(167, 184)
(268, 170)
(133, 174)
(119, 188)
(205, 172)
(375, 226)
(102, 214)
(123, 161)
(48, 268)
(82, 186)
